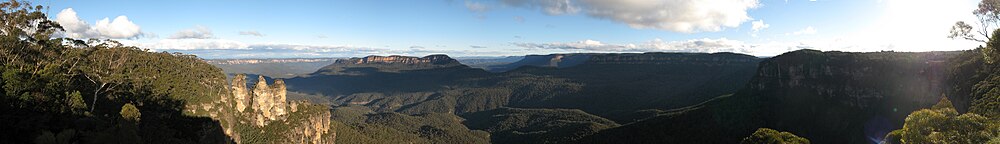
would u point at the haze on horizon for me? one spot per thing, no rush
(341, 28)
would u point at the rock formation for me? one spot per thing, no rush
(240, 93)
(261, 114)
(268, 101)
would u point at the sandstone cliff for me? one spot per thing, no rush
(393, 64)
(394, 59)
(261, 114)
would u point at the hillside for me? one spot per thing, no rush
(826, 97)
(620, 87)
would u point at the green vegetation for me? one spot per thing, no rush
(75, 91)
(358, 125)
(770, 136)
(943, 125)
(284, 131)
(515, 125)
(130, 113)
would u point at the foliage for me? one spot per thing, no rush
(516, 125)
(130, 113)
(943, 125)
(770, 136)
(47, 84)
(988, 14)
(75, 101)
(357, 125)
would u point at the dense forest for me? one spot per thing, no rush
(60, 90)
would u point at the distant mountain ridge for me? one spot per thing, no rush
(277, 68)
(394, 63)
(396, 59)
(574, 59)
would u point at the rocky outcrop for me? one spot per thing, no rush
(241, 95)
(262, 114)
(267, 103)
(314, 129)
(396, 59)
(825, 95)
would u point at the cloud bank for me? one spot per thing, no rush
(685, 16)
(198, 32)
(119, 28)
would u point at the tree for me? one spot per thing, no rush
(770, 136)
(943, 125)
(130, 113)
(106, 67)
(26, 33)
(75, 101)
(988, 14)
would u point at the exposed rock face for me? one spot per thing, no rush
(268, 101)
(840, 97)
(314, 129)
(394, 59)
(240, 93)
(263, 115)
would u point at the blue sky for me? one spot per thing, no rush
(354, 28)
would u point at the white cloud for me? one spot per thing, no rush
(198, 32)
(192, 44)
(655, 45)
(119, 28)
(706, 45)
(806, 31)
(759, 25)
(686, 16)
(756, 26)
(552, 7)
(519, 19)
(476, 7)
(251, 33)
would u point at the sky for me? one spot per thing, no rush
(221, 29)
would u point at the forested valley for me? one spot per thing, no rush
(56, 90)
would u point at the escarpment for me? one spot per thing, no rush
(396, 59)
(827, 97)
(388, 64)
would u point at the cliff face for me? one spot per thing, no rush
(263, 115)
(396, 59)
(391, 64)
(827, 97)
(267, 103)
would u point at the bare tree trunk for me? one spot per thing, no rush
(96, 92)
